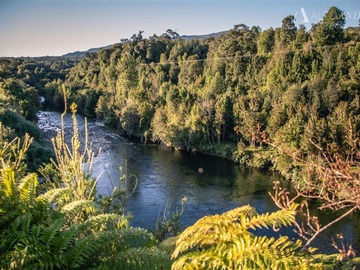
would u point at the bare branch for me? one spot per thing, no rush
(329, 224)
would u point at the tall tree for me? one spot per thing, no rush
(288, 30)
(331, 30)
(266, 41)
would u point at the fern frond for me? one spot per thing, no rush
(200, 260)
(276, 219)
(225, 242)
(9, 201)
(260, 252)
(245, 253)
(50, 232)
(27, 188)
(78, 206)
(121, 239)
(8, 184)
(24, 222)
(208, 226)
(244, 212)
(54, 195)
(136, 237)
(66, 240)
(78, 256)
(35, 231)
(209, 230)
(106, 221)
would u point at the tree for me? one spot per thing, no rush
(330, 31)
(266, 41)
(288, 30)
(21, 97)
(172, 34)
(159, 126)
(301, 37)
(129, 118)
(127, 80)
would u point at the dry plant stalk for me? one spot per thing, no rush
(73, 163)
(334, 179)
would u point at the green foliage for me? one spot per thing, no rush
(169, 223)
(330, 30)
(74, 164)
(229, 241)
(224, 150)
(168, 245)
(19, 124)
(266, 41)
(19, 96)
(209, 95)
(13, 150)
(138, 258)
(63, 227)
(37, 153)
(288, 30)
(330, 262)
(297, 88)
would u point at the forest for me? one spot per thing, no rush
(284, 100)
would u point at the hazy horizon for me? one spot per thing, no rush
(57, 27)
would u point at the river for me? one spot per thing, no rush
(158, 179)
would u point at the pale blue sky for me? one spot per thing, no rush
(56, 27)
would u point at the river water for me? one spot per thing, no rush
(158, 179)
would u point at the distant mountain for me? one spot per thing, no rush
(203, 36)
(81, 54)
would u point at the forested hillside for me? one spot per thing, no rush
(22, 81)
(298, 87)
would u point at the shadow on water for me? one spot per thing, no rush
(212, 185)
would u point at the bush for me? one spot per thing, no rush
(19, 124)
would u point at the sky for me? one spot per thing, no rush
(57, 27)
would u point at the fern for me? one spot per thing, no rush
(105, 222)
(274, 219)
(55, 195)
(225, 242)
(103, 249)
(50, 232)
(45, 247)
(138, 259)
(63, 228)
(8, 185)
(168, 245)
(13, 153)
(27, 188)
(128, 237)
(79, 206)
(9, 198)
(66, 240)
(17, 197)
(79, 255)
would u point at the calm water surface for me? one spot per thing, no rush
(160, 179)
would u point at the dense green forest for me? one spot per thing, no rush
(299, 87)
(22, 81)
(284, 99)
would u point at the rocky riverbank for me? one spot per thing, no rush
(99, 137)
